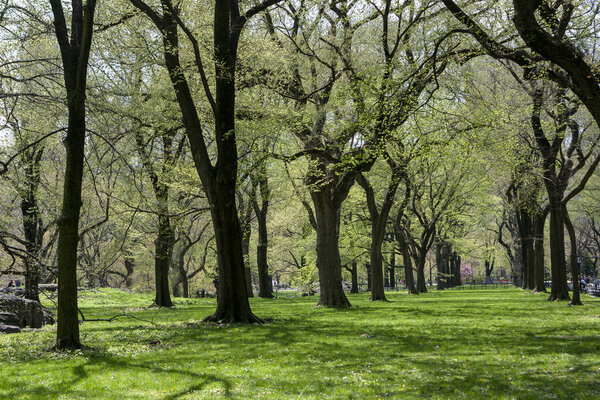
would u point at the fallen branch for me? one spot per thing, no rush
(124, 314)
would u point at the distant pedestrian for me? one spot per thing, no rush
(11, 283)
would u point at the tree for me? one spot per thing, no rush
(75, 52)
(379, 221)
(260, 189)
(219, 180)
(338, 152)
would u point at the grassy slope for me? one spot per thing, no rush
(483, 344)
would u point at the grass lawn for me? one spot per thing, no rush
(480, 344)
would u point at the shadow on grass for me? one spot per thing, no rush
(100, 360)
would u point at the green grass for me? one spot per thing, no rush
(482, 344)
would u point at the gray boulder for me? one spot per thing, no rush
(9, 329)
(8, 318)
(28, 312)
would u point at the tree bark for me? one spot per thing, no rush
(327, 214)
(559, 290)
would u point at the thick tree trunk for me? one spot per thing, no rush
(232, 297)
(377, 280)
(538, 250)
(328, 253)
(264, 279)
(559, 290)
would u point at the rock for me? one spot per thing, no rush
(17, 291)
(9, 329)
(29, 313)
(48, 317)
(49, 287)
(8, 318)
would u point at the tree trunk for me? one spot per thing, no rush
(368, 268)
(488, 271)
(246, 234)
(439, 263)
(526, 238)
(559, 290)
(538, 250)
(393, 269)
(421, 282)
(175, 289)
(264, 287)
(68, 226)
(75, 56)
(163, 250)
(185, 284)
(377, 279)
(232, 296)
(456, 278)
(129, 266)
(409, 277)
(576, 301)
(328, 253)
(354, 273)
(31, 229)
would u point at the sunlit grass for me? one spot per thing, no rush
(483, 344)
